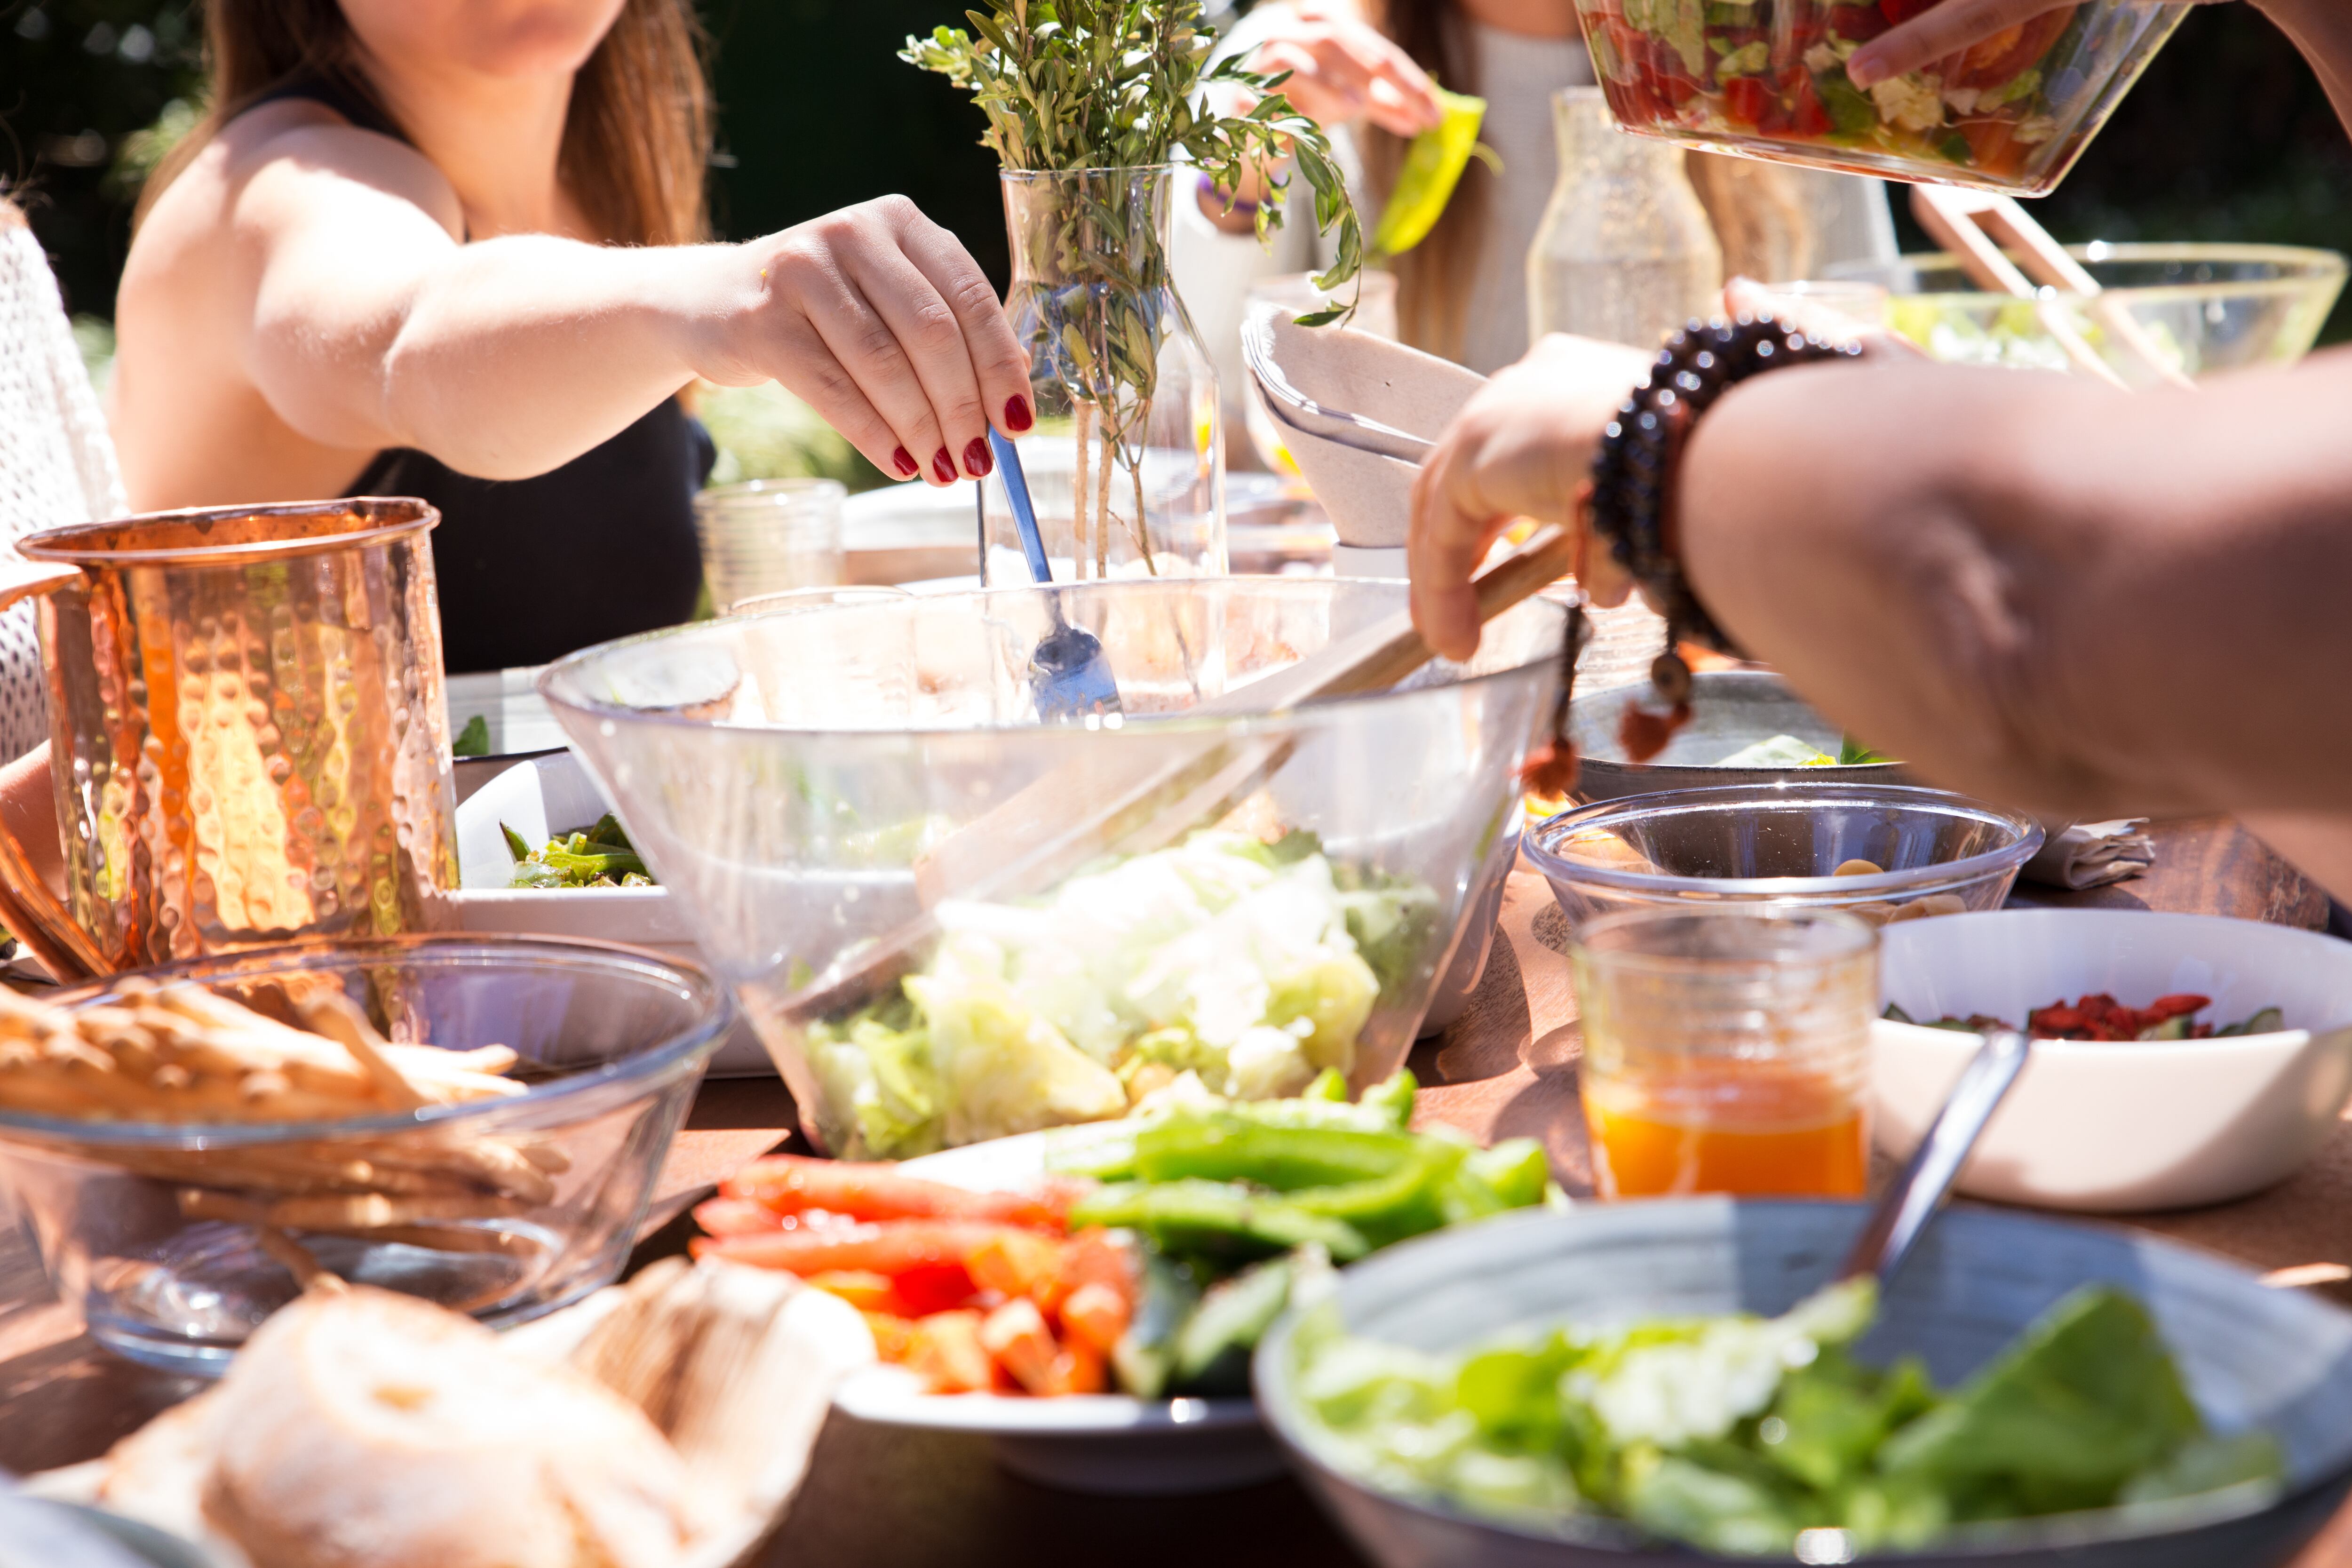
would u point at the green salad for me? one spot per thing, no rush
(598, 855)
(1750, 1435)
(1248, 966)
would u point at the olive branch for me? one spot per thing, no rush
(1110, 85)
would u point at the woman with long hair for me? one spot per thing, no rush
(1364, 68)
(458, 250)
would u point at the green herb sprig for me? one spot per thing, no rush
(1102, 84)
(1070, 85)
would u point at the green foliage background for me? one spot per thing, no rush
(2228, 137)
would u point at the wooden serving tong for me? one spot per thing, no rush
(1980, 230)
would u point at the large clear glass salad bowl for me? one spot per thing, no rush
(949, 922)
(2209, 308)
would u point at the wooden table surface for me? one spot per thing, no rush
(877, 1498)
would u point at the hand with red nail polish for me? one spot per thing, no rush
(844, 311)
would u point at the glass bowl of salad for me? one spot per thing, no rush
(2208, 308)
(1766, 79)
(949, 922)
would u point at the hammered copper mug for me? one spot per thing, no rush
(247, 736)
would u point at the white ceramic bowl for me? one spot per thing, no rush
(2115, 1127)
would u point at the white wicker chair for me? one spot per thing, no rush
(56, 461)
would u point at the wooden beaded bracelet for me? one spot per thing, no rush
(1634, 470)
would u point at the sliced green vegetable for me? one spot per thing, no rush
(1433, 167)
(1215, 1220)
(1212, 1348)
(1227, 1146)
(1145, 1357)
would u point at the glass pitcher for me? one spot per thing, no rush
(1625, 251)
(1126, 464)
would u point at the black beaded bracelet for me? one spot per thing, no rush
(1633, 470)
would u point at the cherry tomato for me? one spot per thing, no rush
(1899, 12)
(1747, 99)
(1988, 62)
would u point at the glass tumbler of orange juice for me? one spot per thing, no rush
(1728, 1050)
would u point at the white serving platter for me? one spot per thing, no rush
(1106, 1443)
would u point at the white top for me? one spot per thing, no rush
(56, 461)
(1516, 75)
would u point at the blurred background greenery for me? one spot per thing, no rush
(2228, 137)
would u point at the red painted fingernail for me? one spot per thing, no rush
(943, 466)
(904, 461)
(976, 458)
(1017, 415)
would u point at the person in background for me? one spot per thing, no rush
(1366, 74)
(456, 250)
(2028, 587)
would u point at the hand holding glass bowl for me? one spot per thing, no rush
(1999, 94)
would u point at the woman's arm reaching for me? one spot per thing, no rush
(365, 322)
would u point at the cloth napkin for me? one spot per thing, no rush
(2092, 854)
(1357, 413)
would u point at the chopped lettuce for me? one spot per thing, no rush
(1741, 1434)
(1248, 967)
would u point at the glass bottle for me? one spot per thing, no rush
(1126, 464)
(1625, 251)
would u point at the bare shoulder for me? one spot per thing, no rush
(277, 162)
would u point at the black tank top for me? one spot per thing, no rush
(532, 569)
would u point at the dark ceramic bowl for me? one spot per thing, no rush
(2252, 1356)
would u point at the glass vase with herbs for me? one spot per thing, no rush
(1100, 112)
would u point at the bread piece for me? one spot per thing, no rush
(363, 1430)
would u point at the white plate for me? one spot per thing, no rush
(1106, 1443)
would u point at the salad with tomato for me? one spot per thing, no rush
(2011, 111)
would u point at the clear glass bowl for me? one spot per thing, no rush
(613, 1043)
(2209, 308)
(798, 781)
(1940, 853)
(1767, 80)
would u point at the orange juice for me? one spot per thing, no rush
(1756, 1129)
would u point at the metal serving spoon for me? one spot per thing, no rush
(1906, 1206)
(1067, 672)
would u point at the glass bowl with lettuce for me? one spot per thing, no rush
(1670, 1381)
(2208, 308)
(951, 921)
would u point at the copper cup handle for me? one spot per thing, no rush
(35, 915)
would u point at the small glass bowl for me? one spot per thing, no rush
(1778, 844)
(612, 1041)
